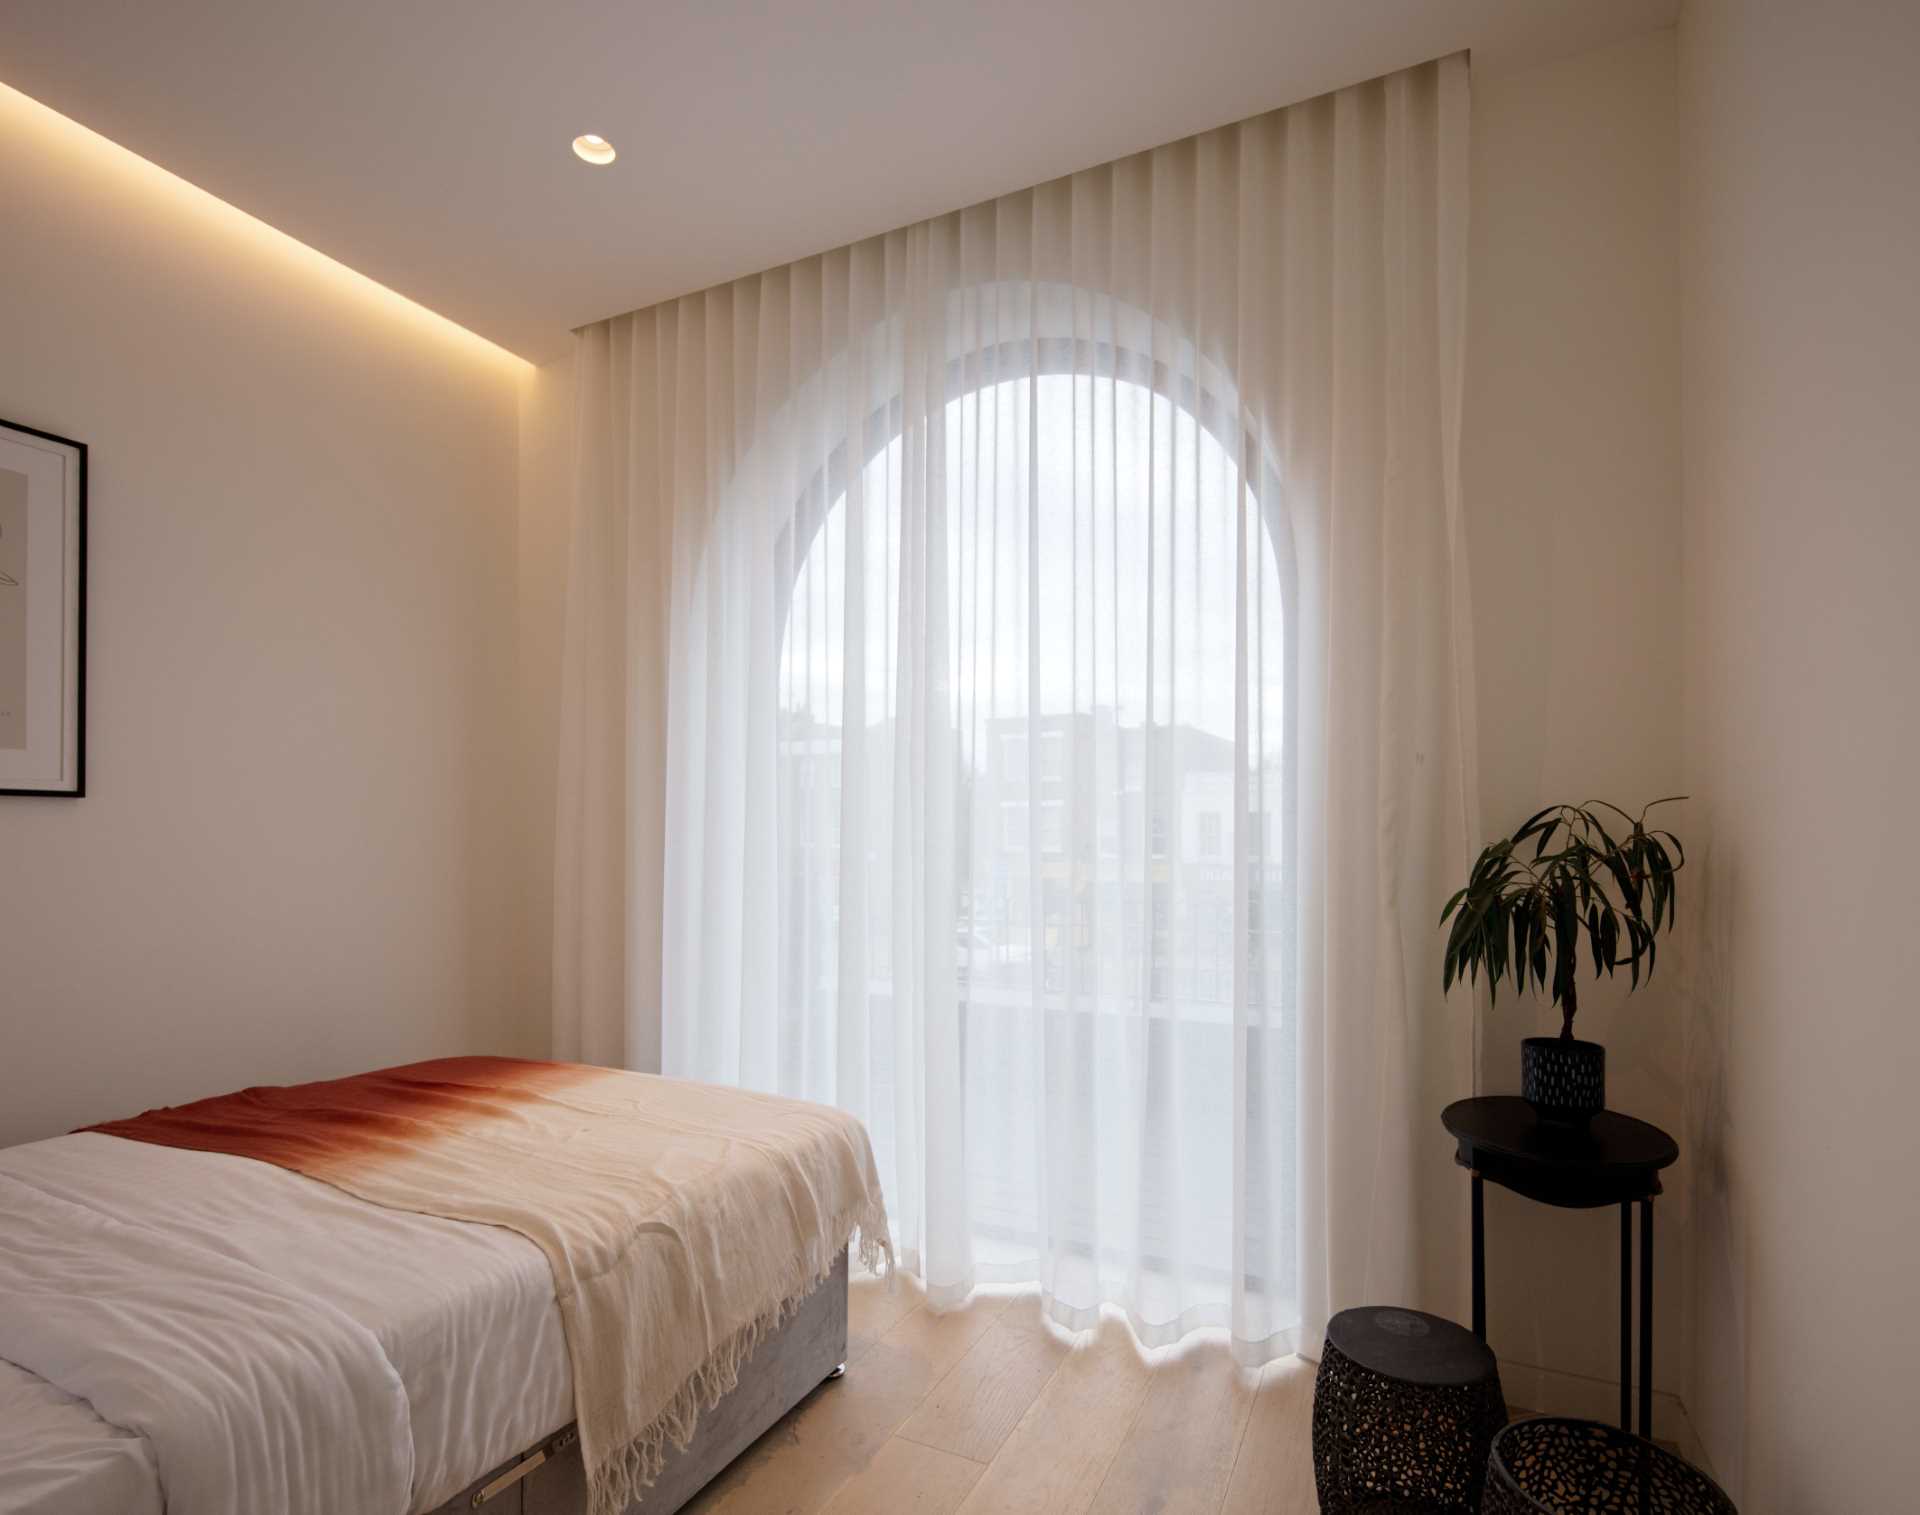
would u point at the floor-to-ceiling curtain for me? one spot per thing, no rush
(1022, 659)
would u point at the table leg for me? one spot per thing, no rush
(1626, 1316)
(1646, 1318)
(1479, 1259)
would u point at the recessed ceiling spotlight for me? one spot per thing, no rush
(593, 149)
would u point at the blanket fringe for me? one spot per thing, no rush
(622, 1479)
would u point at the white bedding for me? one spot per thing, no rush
(252, 1395)
(56, 1454)
(464, 1314)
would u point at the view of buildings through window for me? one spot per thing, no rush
(1098, 837)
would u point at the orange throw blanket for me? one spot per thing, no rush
(682, 1221)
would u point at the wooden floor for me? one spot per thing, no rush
(988, 1409)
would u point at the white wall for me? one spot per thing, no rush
(1801, 363)
(545, 506)
(1571, 468)
(545, 510)
(298, 855)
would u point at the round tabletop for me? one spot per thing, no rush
(1411, 1346)
(1614, 1156)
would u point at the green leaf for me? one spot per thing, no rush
(1526, 826)
(1522, 913)
(1523, 920)
(1621, 869)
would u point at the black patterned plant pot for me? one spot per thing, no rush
(1564, 1080)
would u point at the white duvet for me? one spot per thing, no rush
(149, 1296)
(56, 1454)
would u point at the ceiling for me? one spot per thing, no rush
(426, 142)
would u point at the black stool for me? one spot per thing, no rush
(1404, 1410)
(1551, 1466)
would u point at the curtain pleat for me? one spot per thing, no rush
(1017, 689)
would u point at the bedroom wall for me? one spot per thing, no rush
(1571, 473)
(1801, 387)
(298, 855)
(546, 460)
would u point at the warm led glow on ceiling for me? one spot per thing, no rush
(593, 149)
(145, 194)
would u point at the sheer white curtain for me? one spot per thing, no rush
(1062, 617)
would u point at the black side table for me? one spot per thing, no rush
(1405, 1409)
(1615, 1161)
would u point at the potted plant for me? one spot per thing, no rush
(1523, 912)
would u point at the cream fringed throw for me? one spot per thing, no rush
(682, 1221)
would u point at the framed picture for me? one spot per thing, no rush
(43, 612)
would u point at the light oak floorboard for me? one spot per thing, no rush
(805, 1458)
(1054, 1461)
(874, 1308)
(1274, 1472)
(988, 1410)
(942, 1338)
(1178, 1454)
(974, 1407)
(907, 1479)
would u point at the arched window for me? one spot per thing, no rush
(1096, 596)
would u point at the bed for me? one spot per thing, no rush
(184, 1328)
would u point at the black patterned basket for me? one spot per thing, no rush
(1405, 1406)
(1553, 1466)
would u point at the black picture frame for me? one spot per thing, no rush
(79, 787)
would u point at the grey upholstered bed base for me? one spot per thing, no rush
(549, 1479)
